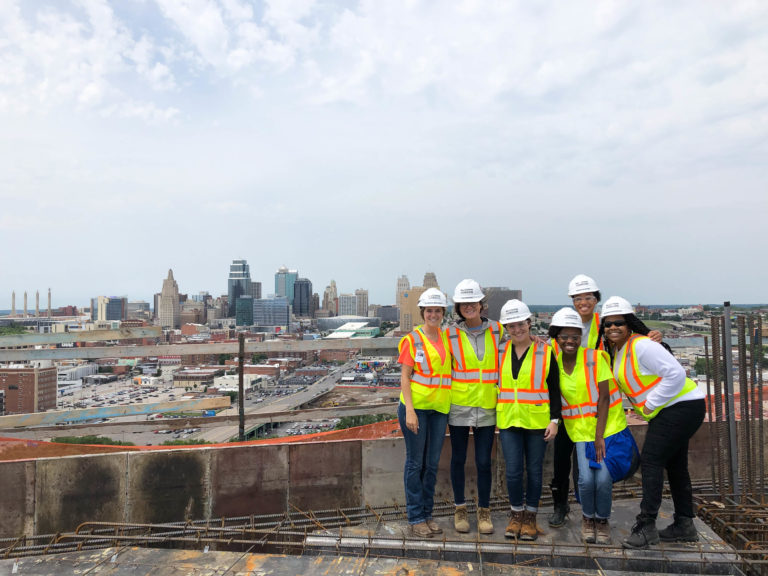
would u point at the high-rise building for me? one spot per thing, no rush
(256, 290)
(496, 297)
(271, 312)
(284, 281)
(315, 303)
(330, 299)
(138, 310)
(430, 280)
(403, 285)
(169, 311)
(244, 311)
(108, 308)
(348, 305)
(362, 302)
(302, 298)
(239, 284)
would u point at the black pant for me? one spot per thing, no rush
(563, 453)
(666, 448)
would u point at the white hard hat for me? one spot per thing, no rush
(514, 311)
(616, 305)
(467, 291)
(432, 297)
(582, 284)
(567, 318)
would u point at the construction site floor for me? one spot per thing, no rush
(379, 547)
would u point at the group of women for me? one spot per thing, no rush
(479, 375)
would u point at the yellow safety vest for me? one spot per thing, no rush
(473, 383)
(431, 376)
(636, 385)
(523, 402)
(579, 411)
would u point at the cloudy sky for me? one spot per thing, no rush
(517, 143)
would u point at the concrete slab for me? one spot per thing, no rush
(167, 486)
(249, 480)
(554, 549)
(325, 475)
(17, 498)
(70, 491)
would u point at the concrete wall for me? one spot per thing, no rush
(55, 495)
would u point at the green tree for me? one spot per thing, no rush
(362, 420)
(91, 440)
(12, 329)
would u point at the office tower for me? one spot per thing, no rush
(302, 298)
(362, 301)
(109, 308)
(347, 305)
(169, 308)
(315, 303)
(244, 311)
(256, 290)
(403, 285)
(430, 280)
(330, 298)
(496, 297)
(271, 311)
(284, 281)
(28, 388)
(138, 310)
(239, 284)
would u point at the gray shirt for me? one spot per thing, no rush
(473, 415)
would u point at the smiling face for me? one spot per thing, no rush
(616, 330)
(569, 340)
(585, 305)
(433, 316)
(519, 331)
(470, 311)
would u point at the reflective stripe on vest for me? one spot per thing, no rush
(637, 386)
(524, 401)
(579, 412)
(430, 379)
(474, 381)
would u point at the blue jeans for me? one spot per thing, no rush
(595, 486)
(483, 446)
(422, 455)
(520, 446)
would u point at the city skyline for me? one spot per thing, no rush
(353, 140)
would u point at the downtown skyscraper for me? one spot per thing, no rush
(239, 284)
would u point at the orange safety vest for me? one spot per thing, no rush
(473, 383)
(431, 376)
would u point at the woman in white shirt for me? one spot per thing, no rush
(656, 385)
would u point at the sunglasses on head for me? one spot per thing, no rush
(617, 323)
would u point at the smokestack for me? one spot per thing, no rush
(25, 303)
(13, 303)
(49, 302)
(37, 304)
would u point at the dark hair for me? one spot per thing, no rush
(634, 324)
(457, 307)
(554, 331)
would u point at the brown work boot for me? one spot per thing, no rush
(515, 523)
(420, 530)
(588, 530)
(529, 530)
(602, 531)
(461, 519)
(484, 522)
(434, 527)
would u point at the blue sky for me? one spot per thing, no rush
(517, 143)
